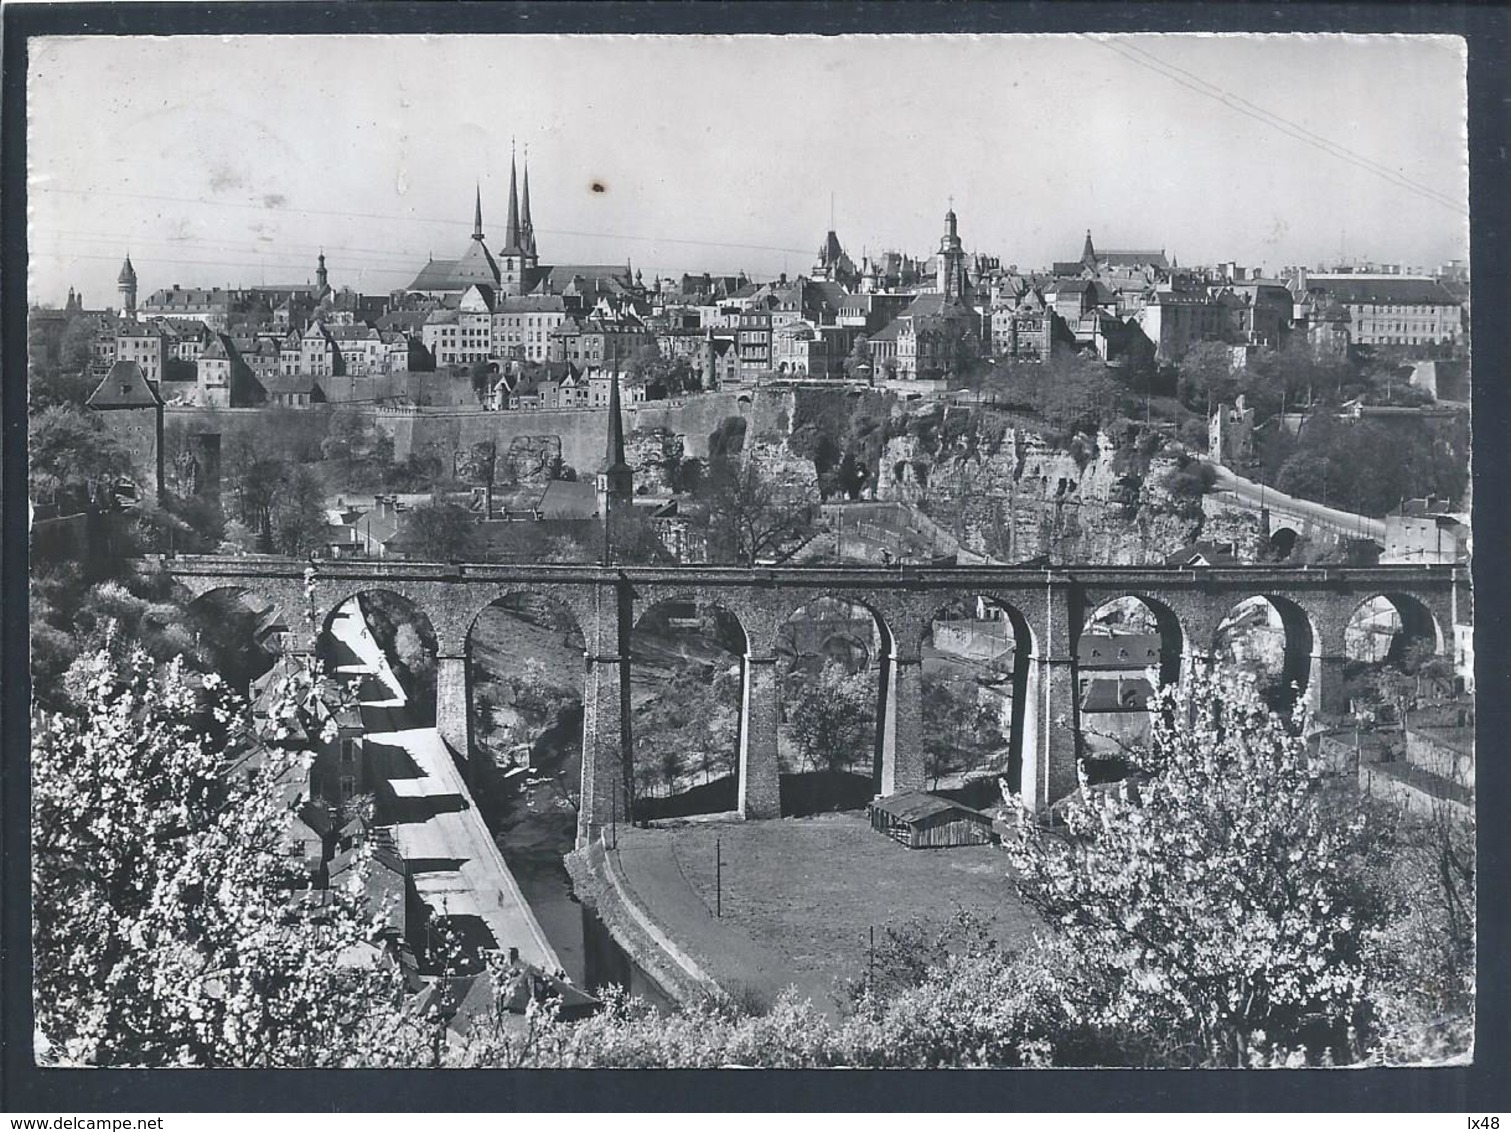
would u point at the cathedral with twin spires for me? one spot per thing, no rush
(515, 269)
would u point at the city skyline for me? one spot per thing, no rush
(239, 183)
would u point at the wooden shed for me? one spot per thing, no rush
(924, 821)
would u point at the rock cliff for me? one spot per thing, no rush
(1005, 491)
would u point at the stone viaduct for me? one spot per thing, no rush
(1047, 608)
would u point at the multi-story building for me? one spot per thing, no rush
(932, 338)
(318, 354)
(474, 325)
(395, 350)
(441, 336)
(1174, 321)
(681, 344)
(1023, 329)
(1389, 310)
(144, 345)
(212, 306)
(721, 362)
(753, 344)
(834, 265)
(1266, 315)
(214, 372)
(186, 339)
(522, 326)
(801, 349)
(593, 341)
(362, 349)
(260, 353)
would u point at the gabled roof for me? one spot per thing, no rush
(915, 805)
(531, 304)
(1405, 292)
(124, 387)
(593, 277)
(435, 276)
(1133, 259)
(402, 320)
(358, 333)
(128, 329)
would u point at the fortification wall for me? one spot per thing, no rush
(581, 432)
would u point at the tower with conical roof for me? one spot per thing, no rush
(1089, 253)
(126, 284)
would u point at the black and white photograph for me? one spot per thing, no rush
(768, 551)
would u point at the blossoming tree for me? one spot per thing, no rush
(1215, 896)
(172, 925)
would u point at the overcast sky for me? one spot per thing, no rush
(233, 161)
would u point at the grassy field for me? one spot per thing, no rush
(808, 891)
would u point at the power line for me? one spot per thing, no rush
(411, 219)
(218, 263)
(1284, 125)
(257, 246)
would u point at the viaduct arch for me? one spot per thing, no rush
(1050, 607)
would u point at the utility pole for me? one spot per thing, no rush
(718, 877)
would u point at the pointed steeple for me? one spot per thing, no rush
(511, 233)
(526, 225)
(477, 215)
(1089, 253)
(614, 455)
(616, 482)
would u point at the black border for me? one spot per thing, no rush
(1483, 1087)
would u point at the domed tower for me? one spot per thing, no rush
(126, 284)
(322, 279)
(950, 274)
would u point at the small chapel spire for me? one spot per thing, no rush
(477, 215)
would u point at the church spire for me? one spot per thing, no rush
(477, 215)
(526, 225)
(511, 233)
(616, 482)
(614, 456)
(1089, 253)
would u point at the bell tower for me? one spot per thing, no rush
(126, 284)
